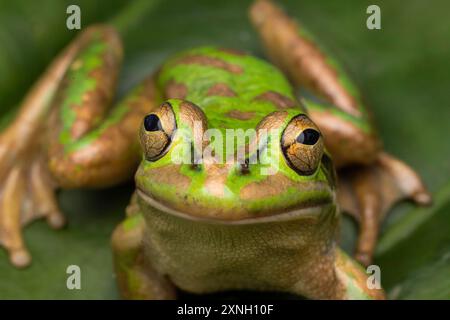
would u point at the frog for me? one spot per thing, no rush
(205, 222)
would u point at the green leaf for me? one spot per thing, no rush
(429, 282)
(414, 252)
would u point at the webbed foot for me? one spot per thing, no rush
(368, 192)
(27, 193)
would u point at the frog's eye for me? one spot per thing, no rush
(156, 132)
(302, 145)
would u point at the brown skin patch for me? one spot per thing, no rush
(221, 89)
(216, 179)
(272, 186)
(277, 99)
(193, 116)
(175, 90)
(346, 143)
(170, 175)
(190, 113)
(272, 121)
(210, 62)
(234, 52)
(240, 115)
(276, 185)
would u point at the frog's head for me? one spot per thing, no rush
(284, 168)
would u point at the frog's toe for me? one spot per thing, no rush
(12, 199)
(20, 258)
(422, 198)
(45, 203)
(365, 258)
(56, 220)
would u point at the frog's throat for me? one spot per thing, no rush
(307, 212)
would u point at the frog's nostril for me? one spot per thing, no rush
(245, 168)
(196, 167)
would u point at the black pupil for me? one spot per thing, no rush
(308, 136)
(152, 123)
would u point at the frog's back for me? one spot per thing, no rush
(234, 90)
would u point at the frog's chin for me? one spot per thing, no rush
(292, 214)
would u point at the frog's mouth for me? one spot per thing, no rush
(309, 212)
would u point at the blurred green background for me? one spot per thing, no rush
(403, 71)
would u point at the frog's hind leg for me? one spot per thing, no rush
(368, 192)
(136, 277)
(27, 187)
(19, 152)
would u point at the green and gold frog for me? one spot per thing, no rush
(202, 218)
